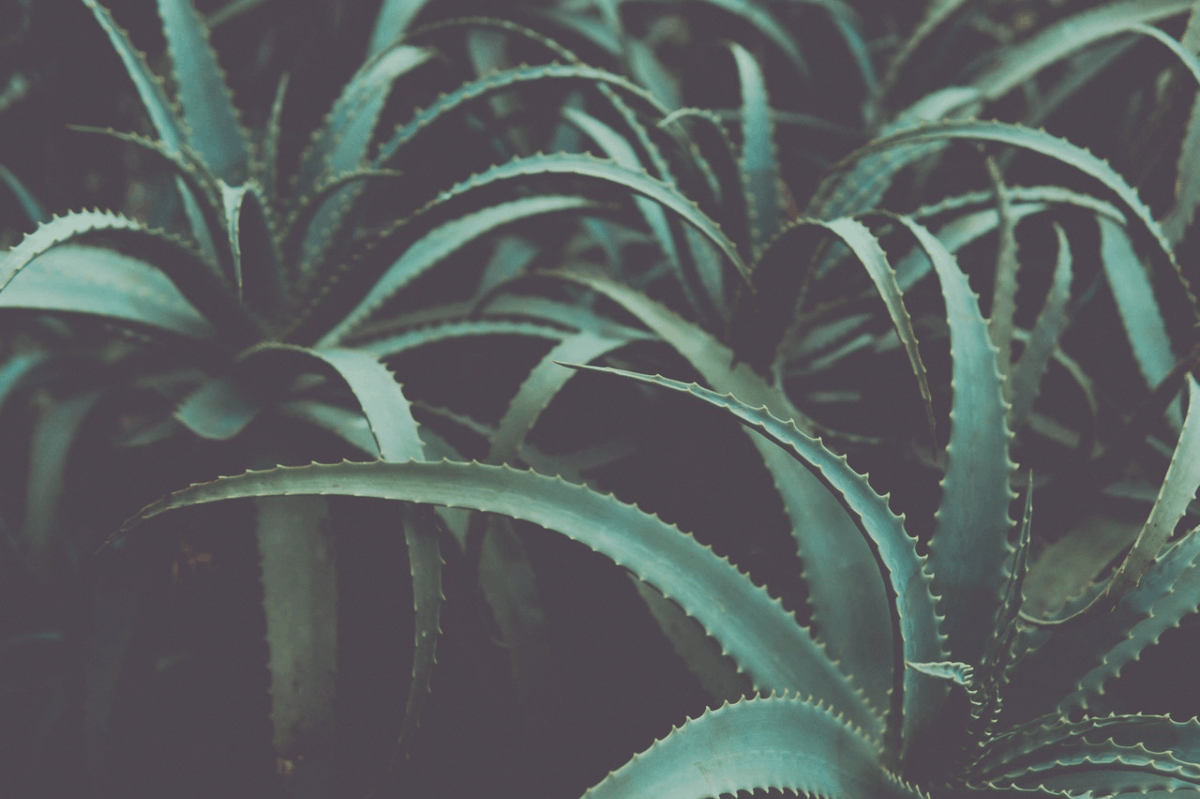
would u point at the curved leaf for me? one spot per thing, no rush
(440, 243)
(213, 128)
(781, 743)
(391, 23)
(95, 280)
(752, 627)
(970, 545)
(759, 162)
(1051, 322)
(914, 619)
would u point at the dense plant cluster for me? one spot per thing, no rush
(382, 333)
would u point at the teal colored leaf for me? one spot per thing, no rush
(540, 388)
(196, 282)
(299, 578)
(389, 346)
(914, 620)
(213, 128)
(1004, 283)
(221, 408)
(341, 144)
(1187, 176)
(29, 204)
(392, 22)
(149, 86)
(475, 91)
(1017, 64)
(611, 174)
(759, 161)
(75, 278)
(270, 146)
(438, 244)
(969, 545)
(1140, 314)
(425, 564)
(45, 546)
(257, 266)
(782, 743)
(855, 627)
(752, 627)
(1051, 322)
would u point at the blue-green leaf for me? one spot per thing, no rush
(782, 743)
(970, 545)
(759, 162)
(392, 22)
(752, 627)
(213, 128)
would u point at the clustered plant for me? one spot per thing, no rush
(324, 446)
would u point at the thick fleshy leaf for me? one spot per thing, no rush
(781, 743)
(213, 128)
(855, 627)
(194, 279)
(1015, 65)
(970, 545)
(1027, 375)
(440, 243)
(392, 22)
(1140, 314)
(1036, 141)
(914, 620)
(81, 279)
(540, 388)
(759, 162)
(752, 627)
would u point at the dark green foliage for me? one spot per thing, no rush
(408, 323)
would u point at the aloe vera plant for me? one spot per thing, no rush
(670, 204)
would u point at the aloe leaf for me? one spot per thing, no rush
(759, 162)
(1004, 291)
(1177, 491)
(221, 408)
(392, 23)
(440, 243)
(1071, 665)
(1139, 311)
(718, 675)
(44, 534)
(618, 149)
(769, 28)
(780, 742)
(390, 346)
(842, 194)
(1027, 375)
(425, 565)
(914, 620)
(773, 649)
(270, 147)
(81, 279)
(1187, 187)
(853, 626)
(247, 225)
(149, 86)
(1017, 64)
(501, 81)
(969, 545)
(348, 425)
(29, 204)
(540, 388)
(1045, 144)
(341, 144)
(212, 120)
(195, 281)
(607, 172)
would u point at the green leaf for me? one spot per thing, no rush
(75, 278)
(854, 626)
(252, 241)
(425, 564)
(1139, 311)
(914, 620)
(540, 388)
(299, 578)
(1017, 64)
(440, 243)
(213, 128)
(205, 289)
(391, 23)
(1051, 322)
(759, 162)
(782, 743)
(29, 204)
(969, 545)
(389, 346)
(752, 627)
(1004, 284)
